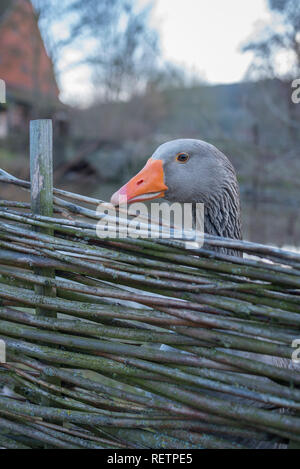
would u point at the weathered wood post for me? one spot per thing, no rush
(41, 176)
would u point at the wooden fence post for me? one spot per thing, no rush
(41, 176)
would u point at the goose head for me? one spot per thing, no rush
(190, 171)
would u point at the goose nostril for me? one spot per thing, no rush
(140, 182)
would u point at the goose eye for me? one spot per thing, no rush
(182, 157)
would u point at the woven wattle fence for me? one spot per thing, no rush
(139, 343)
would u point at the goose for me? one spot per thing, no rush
(194, 171)
(190, 171)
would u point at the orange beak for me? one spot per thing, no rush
(148, 184)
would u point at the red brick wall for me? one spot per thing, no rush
(24, 63)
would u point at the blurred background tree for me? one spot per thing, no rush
(276, 119)
(277, 47)
(123, 49)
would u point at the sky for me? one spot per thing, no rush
(203, 36)
(207, 34)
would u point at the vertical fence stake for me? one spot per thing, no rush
(41, 176)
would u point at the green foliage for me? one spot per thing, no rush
(6, 156)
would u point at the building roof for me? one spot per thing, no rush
(24, 63)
